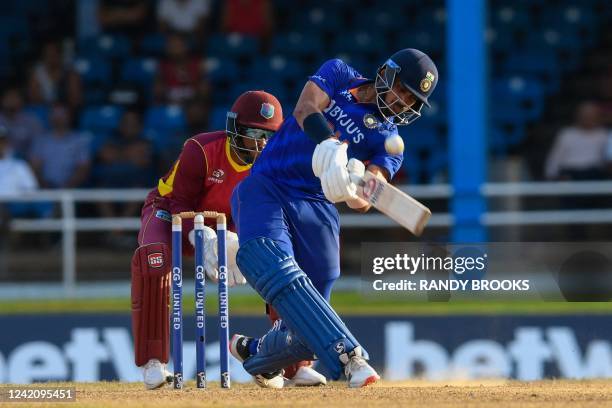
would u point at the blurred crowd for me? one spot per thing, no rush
(43, 143)
(86, 109)
(583, 150)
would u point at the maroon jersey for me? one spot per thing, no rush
(203, 178)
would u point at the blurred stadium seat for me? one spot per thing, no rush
(297, 44)
(140, 71)
(153, 44)
(221, 69)
(105, 46)
(99, 123)
(94, 71)
(103, 119)
(165, 118)
(232, 45)
(11, 26)
(163, 123)
(277, 67)
(217, 117)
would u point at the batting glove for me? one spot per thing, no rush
(337, 184)
(329, 153)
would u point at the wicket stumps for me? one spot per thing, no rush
(200, 297)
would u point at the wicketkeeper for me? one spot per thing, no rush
(203, 178)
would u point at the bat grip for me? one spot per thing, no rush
(356, 179)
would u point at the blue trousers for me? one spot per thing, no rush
(306, 228)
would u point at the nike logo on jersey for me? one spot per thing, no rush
(347, 95)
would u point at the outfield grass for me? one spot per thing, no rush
(346, 303)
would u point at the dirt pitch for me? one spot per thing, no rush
(498, 394)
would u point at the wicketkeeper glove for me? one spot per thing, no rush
(211, 263)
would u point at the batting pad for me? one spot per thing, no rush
(279, 348)
(279, 280)
(150, 296)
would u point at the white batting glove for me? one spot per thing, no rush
(356, 167)
(234, 276)
(210, 252)
(337, 184)
(327, 154)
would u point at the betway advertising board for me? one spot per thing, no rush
(99, 347)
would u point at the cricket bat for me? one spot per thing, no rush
(391, 201)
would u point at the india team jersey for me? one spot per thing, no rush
(288, 154)
(203, 177)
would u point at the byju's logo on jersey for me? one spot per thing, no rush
(344, 122)
(267, 110)
(217, 176)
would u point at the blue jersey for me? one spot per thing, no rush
(287, 156)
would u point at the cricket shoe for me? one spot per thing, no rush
(358, 372)
(306, 376)
(239, 348)
(155, 374)
(271, 380)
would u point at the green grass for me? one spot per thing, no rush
(346, 303)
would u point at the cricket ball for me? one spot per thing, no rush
(394, 145)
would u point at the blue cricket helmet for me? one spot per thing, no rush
(416, 72)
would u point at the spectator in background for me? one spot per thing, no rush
(128, 17)
(180, 75)
(249, 17)
(22, 126)
(184, 16)
(196, 115)
(579, 151)
(124, 161)
(605, 92)
(61, 158)
(16, 176)
(196, 118)
(51, 80)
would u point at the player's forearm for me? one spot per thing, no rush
(312, 100)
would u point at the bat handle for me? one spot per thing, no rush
(356, 179)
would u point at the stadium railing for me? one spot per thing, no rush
(69, 224)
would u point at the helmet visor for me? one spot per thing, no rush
(395, 110)
(246, 141)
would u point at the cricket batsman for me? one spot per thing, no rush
(203, 178)
(286, 220)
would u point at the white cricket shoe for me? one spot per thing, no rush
(155, 374)
(306, 377)
(275, 380)
(359, 373)
(239, 348)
